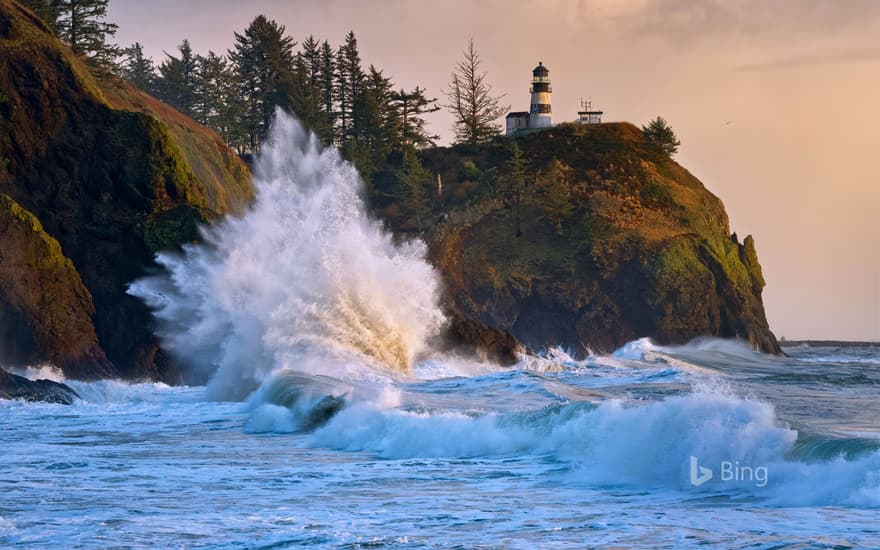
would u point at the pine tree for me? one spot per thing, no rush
(310, 56)
(471, 101)
(47, 10)
(262, 60)
(81, 24)
(211, 90)
(374, 125)
(411, 107)
(306, 100)
(177, 80)
(660, 136)
(231, 111)
(326, 75)
(349, 78)
(138, 69)
(414, 181)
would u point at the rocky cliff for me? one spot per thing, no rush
(45, 310)
(109, 174)
(617, 242)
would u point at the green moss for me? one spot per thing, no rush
(750, 258)
(29, 36)
(512, 258)
(676, 261)
(221, 179)
(172, 228)
(725, 254)
(169, 168)
(43, 251)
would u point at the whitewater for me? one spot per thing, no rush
(320, 413)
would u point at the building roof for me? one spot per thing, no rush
(518, 114)
(540, 70)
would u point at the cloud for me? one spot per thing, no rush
(816, 58)
(695, 19)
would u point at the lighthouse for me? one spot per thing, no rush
(539, 114)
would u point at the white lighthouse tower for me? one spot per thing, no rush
(539, 114)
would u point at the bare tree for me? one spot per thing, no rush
(471, 101)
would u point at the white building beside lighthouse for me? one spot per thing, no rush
(539, 113)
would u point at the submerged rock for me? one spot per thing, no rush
(473, 338)
(17, 387)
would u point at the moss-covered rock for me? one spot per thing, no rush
(45, 311)
(643, 249)
(111, 173)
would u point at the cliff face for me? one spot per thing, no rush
(617, 242)
(35, 278)
(113, 176)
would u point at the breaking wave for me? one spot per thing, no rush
(304, 281)
(608, 443)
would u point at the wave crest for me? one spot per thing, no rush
(304, 281)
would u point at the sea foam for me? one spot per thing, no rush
(305, 280)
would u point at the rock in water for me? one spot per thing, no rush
(17, 387)
(617, 242)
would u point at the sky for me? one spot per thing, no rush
(776, 104)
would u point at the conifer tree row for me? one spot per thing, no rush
(328, 89)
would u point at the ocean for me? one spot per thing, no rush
(551, 453)
(320, 413)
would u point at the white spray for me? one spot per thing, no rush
(304, 281)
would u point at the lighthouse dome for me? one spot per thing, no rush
(541, 71)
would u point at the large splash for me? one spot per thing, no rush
(305, 281)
